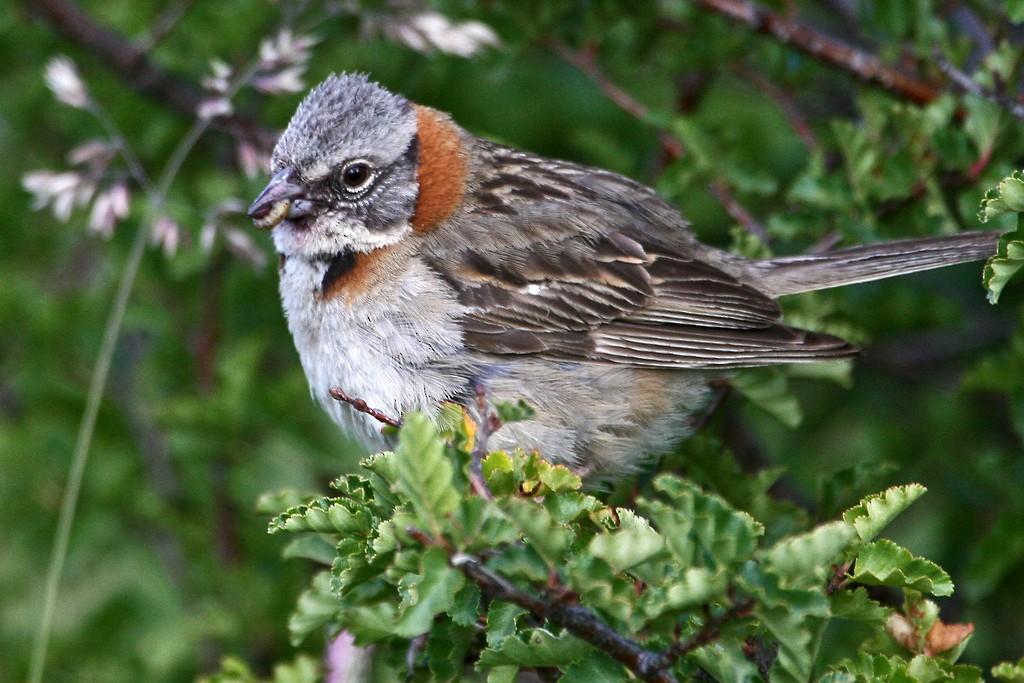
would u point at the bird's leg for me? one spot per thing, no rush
(359, 404)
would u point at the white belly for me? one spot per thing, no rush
(398, 351)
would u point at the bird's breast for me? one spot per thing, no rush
(398, 345)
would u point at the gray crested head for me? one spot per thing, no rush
(344, 171)
(348, 116)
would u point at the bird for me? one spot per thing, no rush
(420, 265)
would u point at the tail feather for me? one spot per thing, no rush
(808, 272)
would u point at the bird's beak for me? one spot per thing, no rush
(280, 199)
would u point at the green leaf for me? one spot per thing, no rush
(810, 555)
(596, 668)
(768, 389)
(982, 124)
(325, 515)
(883, 563)
(425, 474)
(537, 647)
(1008, 259)
(857, 605)
(310, 547)
(501, 622)
(315, 608)
(695, 586)
(1011, 672)
(1006, 197)
(514, 412)
(499, 473)
(695, 519)
(539, 531)
(1014, 10)
(632, 544)
(428, 594)
(447, 646)
(875, 512)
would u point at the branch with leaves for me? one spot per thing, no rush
(544, 575)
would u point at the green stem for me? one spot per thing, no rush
(80, 456)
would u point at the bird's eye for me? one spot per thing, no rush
(356, 175)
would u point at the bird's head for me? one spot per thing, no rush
(346, 172)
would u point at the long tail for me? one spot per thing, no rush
(805, 273)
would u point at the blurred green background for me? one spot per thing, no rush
(170, 566)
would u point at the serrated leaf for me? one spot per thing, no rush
(596, 668)
(310, 547)
(316, 606)
(883, 563)
(514, 412)
(425, 474)
(811, 554)
(1008, 259)
(325, 515)
(503, 674)
(1011, 672)
(1006, 197)
(875, 512)
(570, 506)
(465, 607)
(501, 621)
(499, 473)
(431, 593)
(559, 478)
(447, 646)
(537, 647)
(857, 605)
(632, 544)
(726, 534)
(539, 531)
(695, 586)
(768, 389)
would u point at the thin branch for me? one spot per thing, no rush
(134, 66)
(862, 65)
(576, 619)
(968, 85)
(584, 61)
(359, 404)
(723, 193)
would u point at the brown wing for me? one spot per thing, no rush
(617, 278)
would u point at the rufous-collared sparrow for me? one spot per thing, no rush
(418, 262)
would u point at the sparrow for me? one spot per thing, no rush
(421, 265)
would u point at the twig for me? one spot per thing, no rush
(802, 37)
(135, 67)
(576, 619)
(585, 63)
(359, 404)
(708, 632)
(723, 193)
(968, 85)
(487, 423)
(786, 103)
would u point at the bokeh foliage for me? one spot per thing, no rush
(171, 567)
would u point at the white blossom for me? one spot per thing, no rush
(286, 49)
(213, 107)
(219, 80)
(62, 79)
(207, 235)
(166, 234)
(428, 31)
(281, 81)
(60, 191)
(111, 205)
(241, 244)
(95, 153)
(251, 159)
